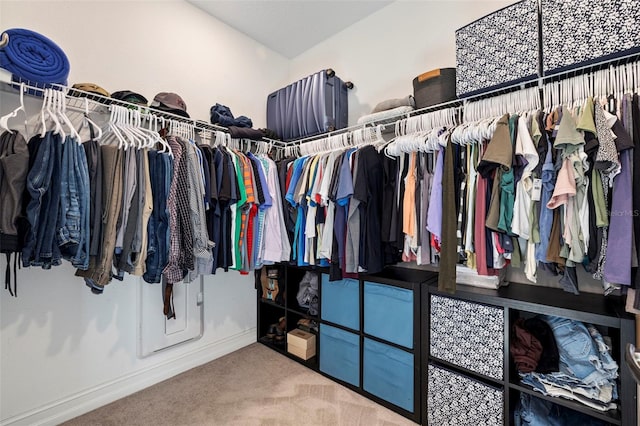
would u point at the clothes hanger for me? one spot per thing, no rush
(62, 105)
(113, 127)
(4, 120)
(152, 130)
(125, 126)
(150, 138)
(46, 114)
(139, 138)
(52, 109)
(147, 137)
(86, 120)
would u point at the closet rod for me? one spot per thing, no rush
(609, 62)
(386, 121)
(544, 79)
(104, 101)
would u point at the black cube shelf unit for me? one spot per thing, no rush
(501, 308)
(369, 336)
(383, 336)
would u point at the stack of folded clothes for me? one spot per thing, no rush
(239, 127)
(389, 109)
(585, 371)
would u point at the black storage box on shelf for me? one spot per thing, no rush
(580, 32)
(499, 49)
(434, 87)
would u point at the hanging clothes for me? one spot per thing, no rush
(98, 274)
(367, 190)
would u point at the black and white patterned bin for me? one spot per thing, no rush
(578, 32)
(469, 335)
(499, 49)
(456, 400)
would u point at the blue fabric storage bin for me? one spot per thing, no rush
(388, 373)
(340, 302)
(388, 313)
(340, 354)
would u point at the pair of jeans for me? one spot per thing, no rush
(532, 411)
(583, 353)
(160, 173)
(73, 215)
(43, 184)
(586, 367)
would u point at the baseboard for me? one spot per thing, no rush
(83, 402)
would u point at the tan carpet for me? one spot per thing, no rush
(252, 386)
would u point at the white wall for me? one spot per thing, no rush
(384, 52)
(152, 46)
(63, 350)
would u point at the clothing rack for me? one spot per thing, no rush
(538, 82)
(288, 148)
(76, 97)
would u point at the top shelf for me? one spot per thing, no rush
(398, 274)
(594, 308)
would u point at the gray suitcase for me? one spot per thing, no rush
(310, 106)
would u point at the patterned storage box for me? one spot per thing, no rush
(499, 49)
(468, 335)
(577, 32)
(388, 373)
(456, 400)
(388, 313)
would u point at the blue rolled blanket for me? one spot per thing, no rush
(32, 57)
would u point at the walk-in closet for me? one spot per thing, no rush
(297, 212)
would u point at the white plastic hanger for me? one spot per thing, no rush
(144, 138)
(46, 114)
(162, 141)
(4, 121)
(86, 120)
(112, 128)
(125, 128)
(62, 113)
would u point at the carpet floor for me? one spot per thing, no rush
(252, 386)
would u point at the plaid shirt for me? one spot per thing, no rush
(181, 257)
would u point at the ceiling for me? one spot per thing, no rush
(290, 27)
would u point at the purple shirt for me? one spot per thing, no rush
(617, 266)
(434, 214)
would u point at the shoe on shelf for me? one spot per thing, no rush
(308, 325)
(271, 331)
(280, 329)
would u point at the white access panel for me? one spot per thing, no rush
(155, 331)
